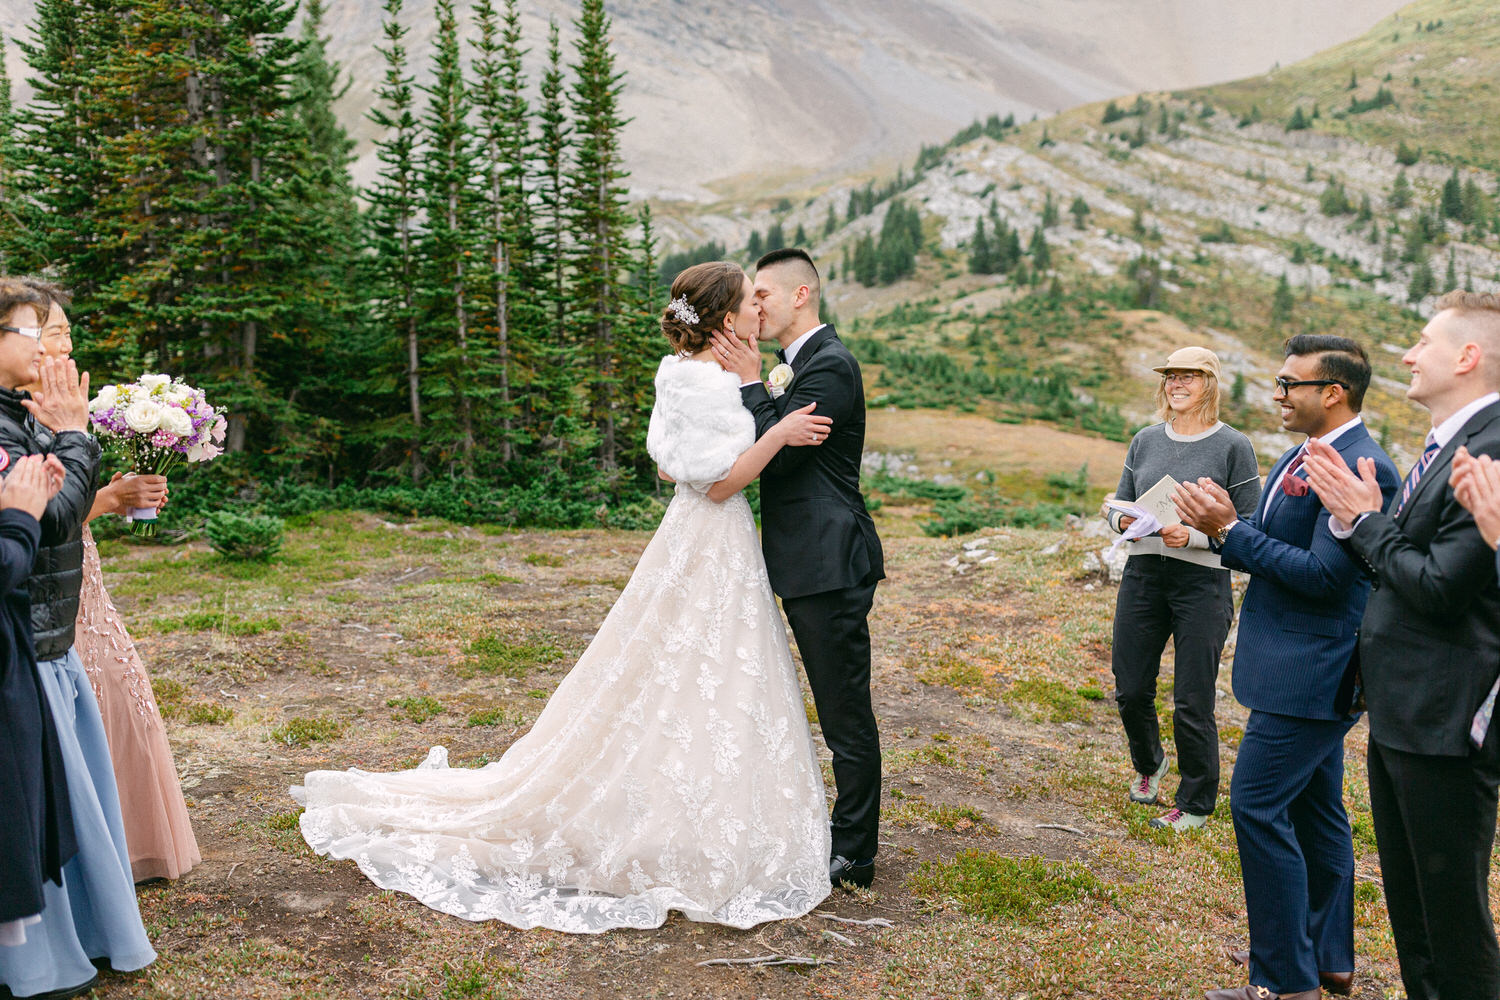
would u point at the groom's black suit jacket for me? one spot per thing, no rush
(1429, 645)
(817, 534)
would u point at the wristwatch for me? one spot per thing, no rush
(1222, 535)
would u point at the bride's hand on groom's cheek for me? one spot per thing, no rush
(737, 356)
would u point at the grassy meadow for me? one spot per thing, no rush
(1011, 864)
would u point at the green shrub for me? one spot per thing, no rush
(300, 730)
(995, 887)
(244, 536)
(415, 709)
(490, 654)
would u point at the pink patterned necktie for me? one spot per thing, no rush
(1415, 475)
(1290, 484)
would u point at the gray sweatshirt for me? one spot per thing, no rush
(1220, 453)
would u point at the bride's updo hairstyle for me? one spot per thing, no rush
(701, 297)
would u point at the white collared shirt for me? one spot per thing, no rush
(1328, 438)
(1448, 429)
(796, 345)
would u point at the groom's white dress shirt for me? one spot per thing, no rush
(795, 346)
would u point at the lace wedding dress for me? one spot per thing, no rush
(672, 769)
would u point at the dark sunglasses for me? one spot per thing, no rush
(1286, 385)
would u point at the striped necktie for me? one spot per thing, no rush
(1415, 475)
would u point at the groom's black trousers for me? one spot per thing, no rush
(833, 636)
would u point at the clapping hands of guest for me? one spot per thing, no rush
(1345, 495)
(1204, 505)
(62, 401)
(31, 482)
(1476, 485)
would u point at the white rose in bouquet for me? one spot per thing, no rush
(105, 400)
(150, 382)
(143, 416)
(176, 421)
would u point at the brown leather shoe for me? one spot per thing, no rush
(1259, 993)
(1341, 983)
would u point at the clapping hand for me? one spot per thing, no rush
(62, 401)
(29, 485)
(1204, 505)
(1476, 485)
(1346, 495)
(737, 355)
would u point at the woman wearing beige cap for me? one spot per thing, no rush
(1174, 587)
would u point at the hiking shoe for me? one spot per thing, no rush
(1176, 819)
(1144, 788)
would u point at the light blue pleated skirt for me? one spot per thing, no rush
(94, 914)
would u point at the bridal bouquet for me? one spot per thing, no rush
(157, 421)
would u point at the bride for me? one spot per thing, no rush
(673, 768)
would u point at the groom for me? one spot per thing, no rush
(822, 553)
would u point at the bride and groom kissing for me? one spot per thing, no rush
(674, 767)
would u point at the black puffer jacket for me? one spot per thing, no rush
(58, 573)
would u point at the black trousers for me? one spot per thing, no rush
(833, 636)
(1163, 598)
(1435, 830)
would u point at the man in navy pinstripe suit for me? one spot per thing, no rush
(1297, 635)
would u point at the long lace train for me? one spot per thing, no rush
(673, 767)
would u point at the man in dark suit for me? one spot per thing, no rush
(1429, 651)
(1298, 626)
(822, 553)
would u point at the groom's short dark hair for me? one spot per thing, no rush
(798, 258)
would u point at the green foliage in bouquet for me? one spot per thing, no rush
(244, 536)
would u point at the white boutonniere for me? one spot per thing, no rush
(778, 380)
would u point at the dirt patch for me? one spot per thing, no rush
(969, 767)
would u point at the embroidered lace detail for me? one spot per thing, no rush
(673, 768)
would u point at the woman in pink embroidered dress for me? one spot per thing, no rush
(157, 830)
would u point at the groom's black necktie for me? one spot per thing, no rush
(781, 355)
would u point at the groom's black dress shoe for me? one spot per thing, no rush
(842, 871)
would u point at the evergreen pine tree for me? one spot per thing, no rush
(866, 261)
(755, 247)
(1041, 255)
(775, 237)
(11, 228)
(1452, 201)
(1400, 195)
(1079, 210)
(1421, 284)
(980, 258)
(800, 238)
(554, 150)
(319, 83)
(831, 223)
(602, 261)
(452, 214)
(1049, 210)
(394, 201)
(1282, 304)
(1450, 279)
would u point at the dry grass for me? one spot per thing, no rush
(989, 691)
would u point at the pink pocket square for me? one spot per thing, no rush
(1294, 487)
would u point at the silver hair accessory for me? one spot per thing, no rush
(683, 311)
